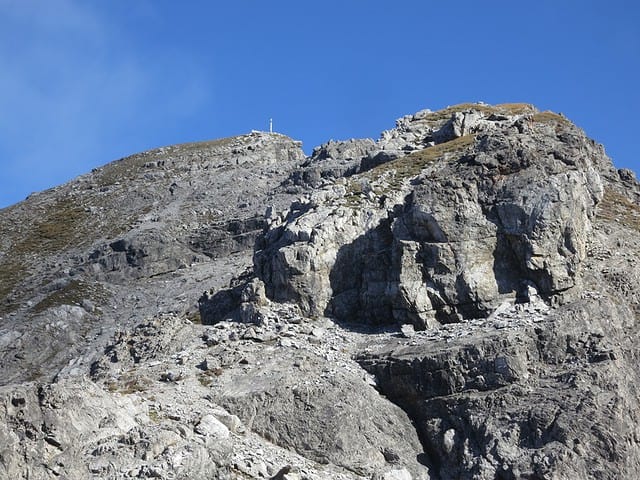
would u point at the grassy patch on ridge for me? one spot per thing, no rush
(615, 207)
(73, 294)
(412, 164)
(129, 167)
(58, 228)
(503, 108)
(390, 175)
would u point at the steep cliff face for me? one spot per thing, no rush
(457, 299)
(445, 233)
(486, 241)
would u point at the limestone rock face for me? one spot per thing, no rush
(456, 300)
(469, 225)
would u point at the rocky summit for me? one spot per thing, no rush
(455, 300)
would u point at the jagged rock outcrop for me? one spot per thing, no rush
(480, 219)
(333, 160)
(458, 299)
(510, 397)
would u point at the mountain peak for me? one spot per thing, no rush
(454, 299)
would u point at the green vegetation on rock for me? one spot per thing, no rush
(616, 207)
(73, 294)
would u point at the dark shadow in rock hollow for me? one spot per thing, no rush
(360, 279)
(513, 247)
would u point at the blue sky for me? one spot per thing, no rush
(84, 82)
